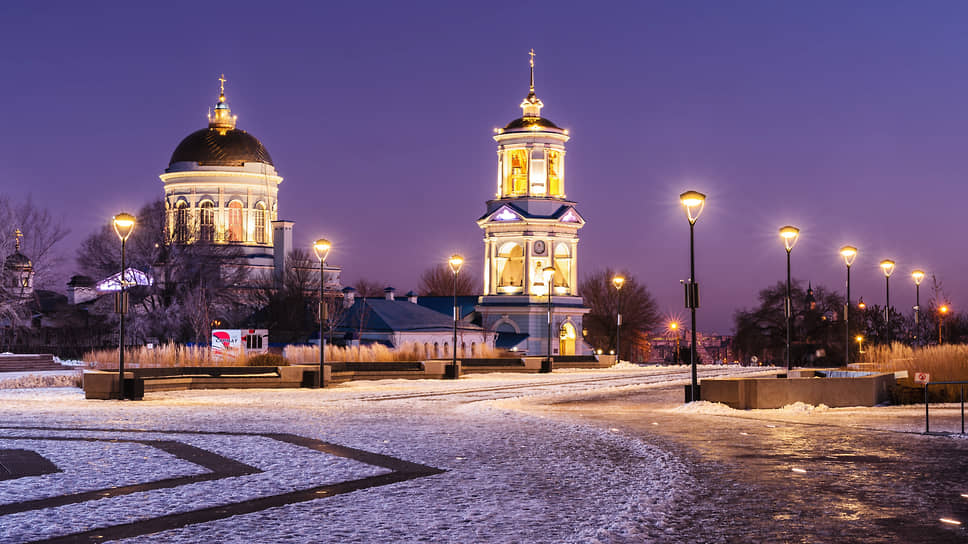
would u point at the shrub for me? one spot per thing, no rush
(267, 359)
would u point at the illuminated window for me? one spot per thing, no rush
(235, 221)
(566, 339)
(182, 212)
(206, 222)
(562, 267)
(510, 263)
(516, 178)
(555, 185)
(260, 223)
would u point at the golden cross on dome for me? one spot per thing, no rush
(532, 69)
(221, 87)
(18, 235)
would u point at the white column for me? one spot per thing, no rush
(488, 268)
(573, 285)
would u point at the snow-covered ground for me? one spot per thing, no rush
(512, 472)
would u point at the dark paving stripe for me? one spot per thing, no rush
(220, 467)
(402, 471)
(20, 463)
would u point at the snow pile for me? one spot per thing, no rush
(71, 362)
(704, 407)
(802, 407)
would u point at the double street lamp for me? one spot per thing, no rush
(790, 236)
(548, 274)
(618, 282)
(321, 248)
(917, 276)
(887, 266)
(123, 225)
(693, 202)
(848, 253)
(455, 262)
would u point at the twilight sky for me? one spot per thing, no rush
(846, 119)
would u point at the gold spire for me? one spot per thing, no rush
(222, 119)
(532, 104)
(532, 71)
(17, 236)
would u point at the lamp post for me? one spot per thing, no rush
(790, 236)
(693, 202)
(123, 225)
(321, 247)
(860, 343)
(941, 313)
(848, 253)
(887, 266)
(917, 276)
(618, 282)
(675, 330)
(548, 274)
(455, 262)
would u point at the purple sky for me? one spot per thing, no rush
(845, 119)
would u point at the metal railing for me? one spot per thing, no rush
(927, 418)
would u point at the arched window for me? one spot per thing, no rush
(510, 263)
(436, 350)
(260, 223)
(562, 268)
(182, 215)
(427, 353)
(555, 174)
(446, 349)
(516, 176)
(206, 222)
(473, 349)
(235, 221)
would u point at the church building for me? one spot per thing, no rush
(531, 226)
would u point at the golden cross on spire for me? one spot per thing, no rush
(221, 87)
(17, 236)
(532, 69)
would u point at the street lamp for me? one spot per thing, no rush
(548, 274)
(618, 282)
(675, 330)
(849, 253)
(860, 343)
(941, 313)
(917, 276)
(321, 248)
(455, 262)
(694, 202)
(123, 225)
(790, 236)
(887, 266)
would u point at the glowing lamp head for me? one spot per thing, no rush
(455, 262)
(694, 202)
(548, 273)
(859, 338)
(673, 325)
(917, 276)
(848, 253)
(321, 247)
(790, 235)
(618, 282)
(887, 266)
(123, 225)
(860, 303)
(943, 309)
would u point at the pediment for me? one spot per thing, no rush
(505, 214)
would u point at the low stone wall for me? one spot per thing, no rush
(103, 384)
(802, 386)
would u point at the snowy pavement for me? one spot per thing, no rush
(489, 458)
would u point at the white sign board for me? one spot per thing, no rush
(922, 377)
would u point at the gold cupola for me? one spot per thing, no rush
(222, 119)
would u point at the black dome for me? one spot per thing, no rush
(211, 146)
(17, 260)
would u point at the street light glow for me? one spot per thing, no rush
(123, 225)
(694, 202)
(887, 266)
(790, 235)
(618, 282)
(456, 262)
(321, 247)
(848, 253)
(917, 275)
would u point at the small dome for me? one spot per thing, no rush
(17, 261)
(525, 123)
(214, 147)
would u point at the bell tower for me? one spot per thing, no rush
(531, 226)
